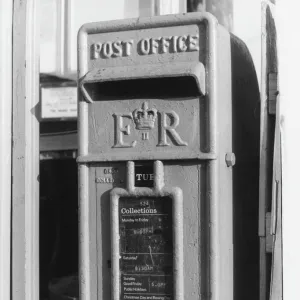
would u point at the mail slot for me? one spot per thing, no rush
(168, 160)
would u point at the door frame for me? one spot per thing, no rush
(6, 14)
(25, 151)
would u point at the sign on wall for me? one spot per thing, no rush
(58, 102)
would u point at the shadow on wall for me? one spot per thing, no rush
(246, 137)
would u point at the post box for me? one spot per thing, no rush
(166, 106)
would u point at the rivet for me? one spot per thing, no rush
(230, 159)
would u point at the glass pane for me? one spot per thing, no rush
(48, 32)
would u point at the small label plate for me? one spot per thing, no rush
(146, 248)
(59, 102)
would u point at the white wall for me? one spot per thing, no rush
(48, 30)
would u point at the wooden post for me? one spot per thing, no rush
(6, 13)
(221, 9)
(25, 152)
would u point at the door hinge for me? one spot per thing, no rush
(272, 93)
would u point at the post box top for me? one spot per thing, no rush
(145, 22)
(145, 42)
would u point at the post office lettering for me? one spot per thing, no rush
(111, 49)
(172, 44)
(145, 46)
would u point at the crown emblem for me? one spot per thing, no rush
(144, 118)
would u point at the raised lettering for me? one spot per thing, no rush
(173, 40)
(193, 43)
(117, 49)
(121, 130)
(107, 50)
(105, 180)
(145, 46)
(181, 44)
(145, 136)
(153, 46)
(164, 45)
(128, 46)
(111, 171)
(96, 48)
(170, 129)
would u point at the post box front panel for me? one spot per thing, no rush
(146, 237)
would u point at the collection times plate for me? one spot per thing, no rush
(146, 248)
